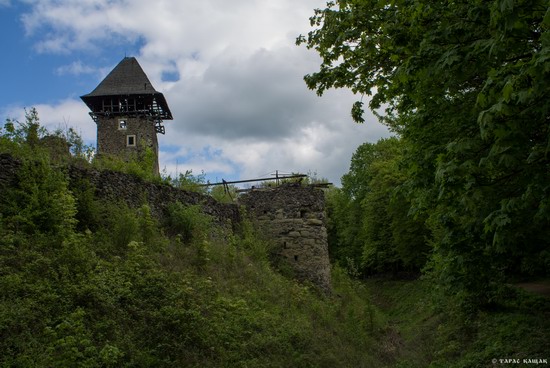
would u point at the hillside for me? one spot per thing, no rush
(89, 282)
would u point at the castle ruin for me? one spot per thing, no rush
(129, 113)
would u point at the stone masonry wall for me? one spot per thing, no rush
(132, 190)
(293, 217)
(112, 140)
(116, 186)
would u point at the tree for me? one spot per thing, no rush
(466, 84)
(30, 139)
(18, 136)
(370, 227)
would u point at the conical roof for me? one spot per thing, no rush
(127, 79)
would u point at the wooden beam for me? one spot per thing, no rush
(223, 182)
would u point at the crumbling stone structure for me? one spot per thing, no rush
(134, 191)
(131, 190)
(293, 217)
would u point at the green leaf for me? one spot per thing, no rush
(357, 112)
(507, 90)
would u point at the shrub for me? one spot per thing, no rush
(188, 223)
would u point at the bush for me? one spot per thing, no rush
(188, 223)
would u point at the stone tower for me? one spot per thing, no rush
(128, 112)
(293, 217)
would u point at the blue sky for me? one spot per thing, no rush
(26, 73)
(39, 76)
(230, 72)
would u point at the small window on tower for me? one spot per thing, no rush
(131, 140)
(122, 125)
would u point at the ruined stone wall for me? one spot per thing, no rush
(116, 186)
(294, 218)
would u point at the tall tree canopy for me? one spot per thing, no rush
(369, 230)
(466, 84)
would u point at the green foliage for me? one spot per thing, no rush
(41, 204)
(29, 139)
(224, 193)
(428, 336)
(257, 247)
(188, 223)
(85, 283)
(465, 84)
(190, 182)
(77, 148)
(140, 164)
(370, 226)
(88, 209)
(22, 138)
(113, 290)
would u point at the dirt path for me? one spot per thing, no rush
(537, 287)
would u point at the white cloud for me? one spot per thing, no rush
(76, 68)
(324, 146)
(62, 115)
(237, 95)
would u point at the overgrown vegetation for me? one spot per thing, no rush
(459, 195)
(139, 164)
(85, 283)
(370, 226)
(465, 86)
(28, 139)
(417, 334)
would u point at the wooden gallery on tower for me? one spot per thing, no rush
(128, 112)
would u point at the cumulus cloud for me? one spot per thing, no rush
(230, 72)
(323, 142)
(261, 96)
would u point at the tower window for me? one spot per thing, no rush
(122, 125)
(130, 140)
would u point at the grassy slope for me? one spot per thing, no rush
(418, 335)
(90, 284)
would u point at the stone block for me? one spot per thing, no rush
(315, 222)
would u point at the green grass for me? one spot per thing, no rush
(418, 333)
